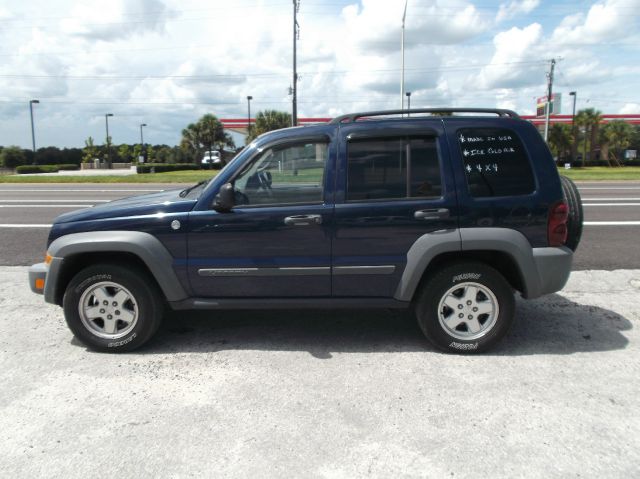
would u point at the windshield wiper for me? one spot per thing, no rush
(184, 193)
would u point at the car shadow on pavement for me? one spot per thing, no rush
(551, 325)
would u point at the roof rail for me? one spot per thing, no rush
(352, 117)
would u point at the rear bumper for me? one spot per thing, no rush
(553, 267)
(38, 277)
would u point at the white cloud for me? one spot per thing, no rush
(167, 62)
(604, 21)
(514, 60)
(514, 8)
(116, 19)
(630, 109)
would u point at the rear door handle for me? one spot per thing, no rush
(303, 220)
(434, 214)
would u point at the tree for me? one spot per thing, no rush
(124, 153)
(206, 134)
(560, 140)
(12, 156)
(269, 120)
(615, 135)
(589, 119)
(90, 151)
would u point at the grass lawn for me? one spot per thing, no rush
(602, 173)
(169, 177)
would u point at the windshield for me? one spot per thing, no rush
(194, 191)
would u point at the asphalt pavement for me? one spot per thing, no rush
(612, 219)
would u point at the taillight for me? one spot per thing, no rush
(557, 224)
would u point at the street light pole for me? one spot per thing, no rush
(33, 134)
(249, 98)
(574, 147)
(294, 91)
(106, 120)
(142, 141)
(404, 15)
(408, 102)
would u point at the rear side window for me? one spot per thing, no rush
(393, 168)
(495, 162)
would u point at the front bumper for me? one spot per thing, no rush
(38, 277)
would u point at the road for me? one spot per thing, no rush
(612, 215)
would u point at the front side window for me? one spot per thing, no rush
(393, 168)
(495, 162)
(283, 175)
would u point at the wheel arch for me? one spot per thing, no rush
(504, 249)
(499, 260)
(76, 251)
(73, 264)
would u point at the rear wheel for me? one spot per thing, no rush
(465, 308)
(575, 218)
(112, 308)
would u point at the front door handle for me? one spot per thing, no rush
(434, 214)
(303, 220)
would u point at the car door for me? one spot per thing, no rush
(276, 240)
(395, 185)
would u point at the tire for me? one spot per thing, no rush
(574, 221)
(131, 312)
(474, 290)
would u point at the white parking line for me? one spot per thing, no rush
(610, 204)
(611, 223)
(65, 190)
(608, 188)
(603, 199)
(63, 201)
(47, 206)
(23, 226)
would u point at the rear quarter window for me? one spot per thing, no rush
(495, 162)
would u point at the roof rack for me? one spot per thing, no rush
(352, 117)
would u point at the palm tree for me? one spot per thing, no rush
(560, 140)
(616, 135)
(206, 134)
(596, 118)
(269, 120)
(589, 119)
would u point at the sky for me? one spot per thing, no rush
(168, 62)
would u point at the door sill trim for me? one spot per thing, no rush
(288, 303)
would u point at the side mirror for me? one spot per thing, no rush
(225, 199)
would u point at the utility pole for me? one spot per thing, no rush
(142, 141)
(404, 15)
(106, 121)
(294, 90)
(249, 98)
(33, 133)
(574, 146)
(548, 103)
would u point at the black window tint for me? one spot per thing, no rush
(378, 169)
(495, 162)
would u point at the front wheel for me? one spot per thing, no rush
(112, 308)
(465, 308)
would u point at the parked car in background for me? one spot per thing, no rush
(212, 158)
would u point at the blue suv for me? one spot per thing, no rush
(446, 212)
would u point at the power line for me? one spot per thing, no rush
(242, 75)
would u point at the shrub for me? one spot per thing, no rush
(68, 167)
(24, 169)
(12, 157)
(164, 167)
